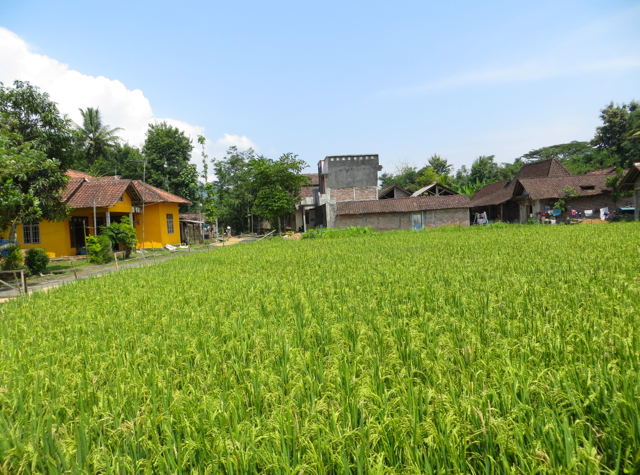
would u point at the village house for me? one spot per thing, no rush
(537, 187)
(345, 193)
(631, 182)
(99, 201)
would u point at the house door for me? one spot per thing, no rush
(416, 221)
(78, 229)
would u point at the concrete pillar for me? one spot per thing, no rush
(108, 218)
(131, 218)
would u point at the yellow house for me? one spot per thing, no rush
(99, 201)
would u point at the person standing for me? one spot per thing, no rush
(228, 231)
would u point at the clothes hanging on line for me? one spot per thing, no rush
(557, 212)
(588, 212)
(604, 213)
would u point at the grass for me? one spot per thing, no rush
(511, 349)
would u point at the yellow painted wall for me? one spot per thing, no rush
(122, 206)
(54, 238)
(156, 231)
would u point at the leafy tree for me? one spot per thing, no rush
(30, 184)
(278, 183)
(13, 260)
(168, 151)
(568, 194)
(613, 182)
(426, 176)
(123, 160)
(617, 132)
(208, 191)
(404, 177)
(30, 114)
(122, 234)
(97, 137)
(234, 188)
(577, 157)
(484, 169)
(440, 165)
(508, 171)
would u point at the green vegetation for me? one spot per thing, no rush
(36, 260)
(122, 234)
(13, 260)
(499, 349)
(334, 233)
(99, 249)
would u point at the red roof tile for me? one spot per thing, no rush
(152, 194)
(403, 205)
(77, 174)
(106, 193)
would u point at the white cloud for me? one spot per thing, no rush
(72, 90)
(242, 142)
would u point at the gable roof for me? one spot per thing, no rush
(550, 167)
(384, 191)
(435, 184)
(82, 188)
(493, 193)
(403, 205)
(151, 194)
(584, 185)
(629, 180)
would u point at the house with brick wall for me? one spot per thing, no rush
(347, 194)
(537, 187)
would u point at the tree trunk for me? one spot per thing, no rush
(13, 231)
(279, 226)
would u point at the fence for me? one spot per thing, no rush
(21, 283)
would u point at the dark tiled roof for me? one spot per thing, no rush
(585, 185)
(152, 194)
(403, 205)
(544, 168)
(493, 193)
(604, 171)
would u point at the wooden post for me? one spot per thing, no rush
(74, 270)
(24, 282)
(115, 256)
(15, 277)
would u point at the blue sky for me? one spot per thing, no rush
(401, 79)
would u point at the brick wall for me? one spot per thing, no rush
(354, 194)
(388, 221)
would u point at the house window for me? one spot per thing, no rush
(121, 197)
(31, 233)
(170, 223)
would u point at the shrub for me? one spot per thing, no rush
(36, 260)
(336, 233)
(13, 259)
(99, 249)
(122, 234)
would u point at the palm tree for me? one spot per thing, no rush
(97, 137)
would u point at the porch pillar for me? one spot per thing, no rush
(131, 218)
(304, 221)
(108, 218)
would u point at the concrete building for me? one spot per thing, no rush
(347, 194)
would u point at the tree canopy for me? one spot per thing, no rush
(97, 137)
(31, 184)
(168, 152)
(31, 114)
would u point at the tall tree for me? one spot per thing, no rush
(440, 165)
(31, 114)
(234, 187)
(30, 184)
(98, 138)
(614, 134)
(121, 159)
(278, 183)
(484, 169)
(168, 151)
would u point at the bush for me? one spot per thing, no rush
(36, 260)
(122, 234)
(13, 259)
(99, 249)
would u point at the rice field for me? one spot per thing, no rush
(509, 349)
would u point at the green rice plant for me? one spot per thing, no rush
(496, 349)
(334, 233)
